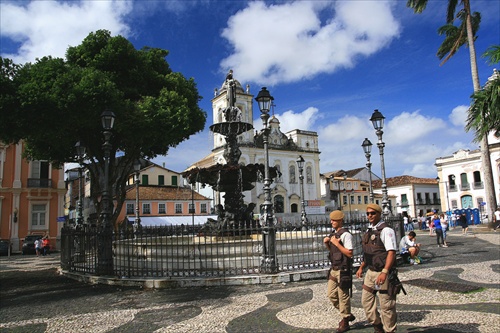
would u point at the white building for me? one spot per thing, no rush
(413, 196)
(284, 150)
(462, 178)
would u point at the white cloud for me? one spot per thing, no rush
(269, 48)
(50, 27)
(458, 116)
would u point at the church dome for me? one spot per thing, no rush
(237, 84)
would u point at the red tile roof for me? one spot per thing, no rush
(404, 180)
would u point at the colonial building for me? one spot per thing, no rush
(348, 190)
(31, 197)
(410, 195)
(162, 195)
(461, 177)
(284, 150)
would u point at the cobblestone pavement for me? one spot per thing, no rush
(34, 298)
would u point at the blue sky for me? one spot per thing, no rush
(328, 64)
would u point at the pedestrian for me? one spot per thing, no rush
(38, 246)
(453, 221)
(444, 226)
(405, 222)
(496, 216)
(463, 222)
(431, 225)
(45, 245)
(339, 244)
(439, 231)
(409, 247)
(379, 256)
(423, 222)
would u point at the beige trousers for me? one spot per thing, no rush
(338, 296)
(387, 315)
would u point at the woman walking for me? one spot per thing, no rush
(439, 230)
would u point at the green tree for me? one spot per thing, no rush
(484, 112)
(54, 103)
(455, 38)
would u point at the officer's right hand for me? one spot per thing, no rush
(359, 273)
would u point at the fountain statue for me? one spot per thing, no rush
(231, 178)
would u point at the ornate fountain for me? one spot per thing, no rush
(231, 178)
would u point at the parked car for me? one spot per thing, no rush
(4, 247)
(29, 244)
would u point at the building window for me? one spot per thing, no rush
(203, 207)
(344, 200)
(292, 174)
(146, 208)
(145, 180)
(130, 208)
(39, 175)
(309, 178)
(352, 199)
(161, 180)
(294, 208)
(359, 200)
(174, 180)
(454, 204)
(279, 204)
(279, 179)
(162, 209)
(191, 208)
(38, 213)
(178, 208)
(366, 200)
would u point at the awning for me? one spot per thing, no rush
(147, 221)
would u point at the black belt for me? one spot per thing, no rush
(339, 268)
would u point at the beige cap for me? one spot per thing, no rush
(374, 207)
(336, 215)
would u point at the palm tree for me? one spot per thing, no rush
(454, 39)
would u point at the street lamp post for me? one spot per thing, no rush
(367, 148)
(303, 215)
(80, 151)
(377, 120)
(269, 263)
(105, 255)
(137, 222)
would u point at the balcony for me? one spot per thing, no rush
(436, 201)
(39, 183)
(404, 203)
(420, 202)
(465, 187)
(478, 185)
(452, 188)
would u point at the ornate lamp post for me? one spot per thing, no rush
(303, 215)
(367, 147)
(105, 254)
(137, 222)
(377, 120)
(269, 263)
(80, 151)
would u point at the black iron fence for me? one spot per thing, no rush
(185, 251)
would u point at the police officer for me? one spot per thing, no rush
(339, 244)
(379, 256)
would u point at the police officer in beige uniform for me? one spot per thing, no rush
(379, 256)
(339, 243)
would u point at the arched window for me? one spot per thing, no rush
(294, 208)
(278, 177)
(309, 177)
(292, 174)
(279, 204)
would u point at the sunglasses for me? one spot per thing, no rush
(371, 213)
